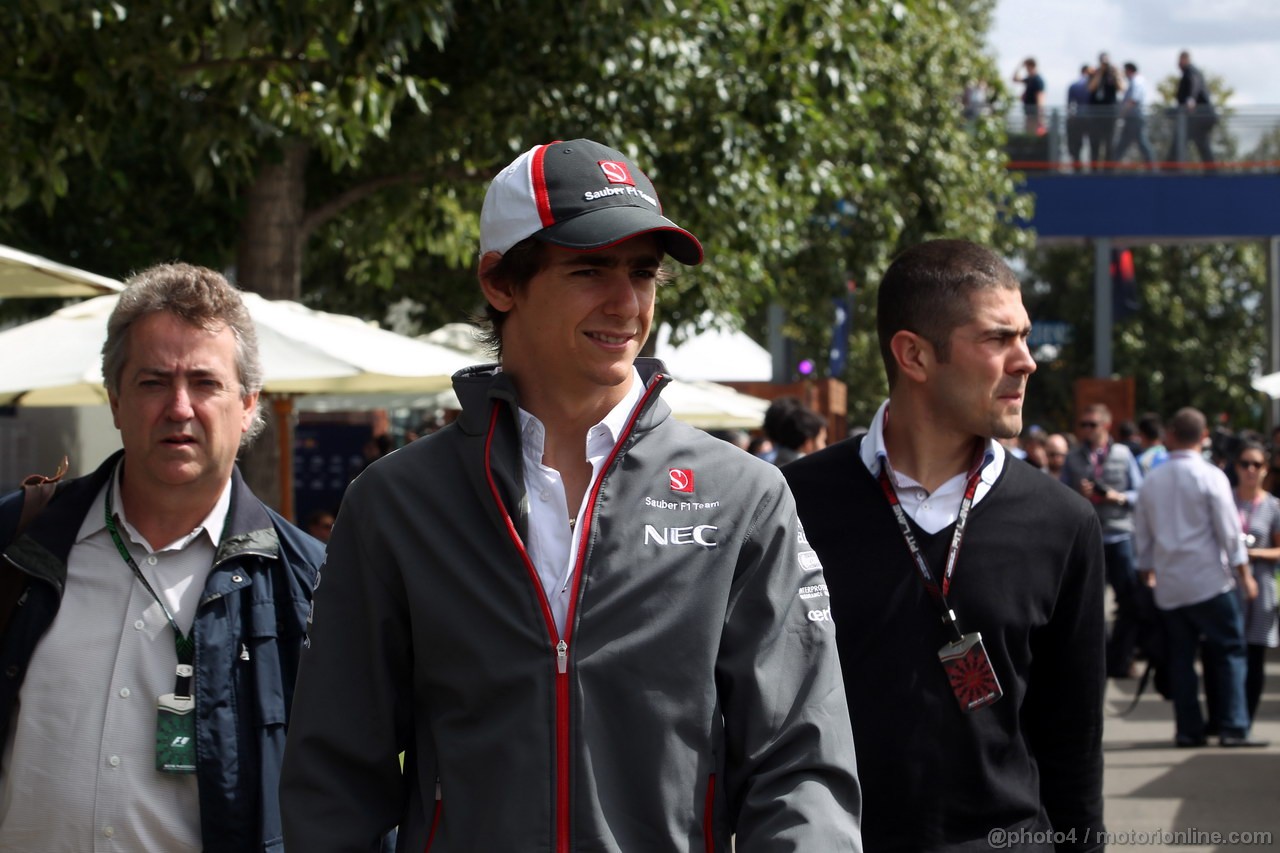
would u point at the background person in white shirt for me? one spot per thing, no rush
(1189, 546)
(1133, 110)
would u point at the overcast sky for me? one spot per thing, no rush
(1238, 40)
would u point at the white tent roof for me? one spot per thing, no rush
(303, 351)
(718, 355)
(27, 275)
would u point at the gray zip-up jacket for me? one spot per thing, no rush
(695, 694)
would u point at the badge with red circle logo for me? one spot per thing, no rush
(681, 479)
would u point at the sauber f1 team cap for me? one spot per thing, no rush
(579, 195)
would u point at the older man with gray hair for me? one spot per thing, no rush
(152, 613)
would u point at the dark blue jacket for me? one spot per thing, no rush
(250, 627)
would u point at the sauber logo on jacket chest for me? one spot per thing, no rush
(696, 534)
(681, 479)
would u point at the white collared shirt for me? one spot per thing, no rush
(552, 545)
(1186, 529)
(80, 769)
(935, 510)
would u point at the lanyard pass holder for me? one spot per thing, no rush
(176, 725)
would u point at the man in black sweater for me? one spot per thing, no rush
(966, 587)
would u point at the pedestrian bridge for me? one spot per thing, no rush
(1179, 197)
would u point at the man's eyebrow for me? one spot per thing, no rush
(165, 373)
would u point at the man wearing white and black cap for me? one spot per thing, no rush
(586, 625)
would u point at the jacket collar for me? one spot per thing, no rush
(479, 387)
(248, 526)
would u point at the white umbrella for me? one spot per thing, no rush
(27, 275)
(303, 351)
(717, 354)
(1269, 385)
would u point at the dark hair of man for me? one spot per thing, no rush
(1150, 426)
(197, 296)
(516, 268)
(928, 290)
(1187, 426)
(1131, 68)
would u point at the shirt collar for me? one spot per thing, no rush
(601, 438)
(873, 452)
(95, 521)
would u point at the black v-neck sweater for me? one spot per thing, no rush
(1030, 579)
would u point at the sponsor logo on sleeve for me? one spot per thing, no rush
(809, 561)
(817, 590)
(681, 479)
(823, 615)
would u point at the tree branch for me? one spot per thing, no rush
(331, 208)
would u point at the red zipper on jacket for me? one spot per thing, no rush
(560, 644)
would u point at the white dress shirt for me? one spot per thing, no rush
(1187, 531)
(552, 545)
(935, 510)
(80, 771)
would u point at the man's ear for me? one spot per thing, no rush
(496, 291)
(914, 355)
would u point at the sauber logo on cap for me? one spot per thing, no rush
(681, 479)
(616, 172)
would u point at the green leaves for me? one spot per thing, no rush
(804, 142)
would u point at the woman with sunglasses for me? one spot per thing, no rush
(1260, 521)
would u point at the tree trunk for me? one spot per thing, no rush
(270, 256)
(270, 264)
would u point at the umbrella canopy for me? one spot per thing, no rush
(1269, 385)
(25, 275)
(717, 354)
(56, 361)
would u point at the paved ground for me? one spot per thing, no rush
(1154, 791)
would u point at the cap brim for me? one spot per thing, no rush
(609, 226)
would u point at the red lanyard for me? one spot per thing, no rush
(1246, 518)
(937, 591)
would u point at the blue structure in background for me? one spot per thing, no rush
(1159, 207)
(1109, 210)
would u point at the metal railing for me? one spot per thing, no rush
(1108, 140)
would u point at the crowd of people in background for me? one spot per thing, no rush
(1107, 110)
(1118, 474)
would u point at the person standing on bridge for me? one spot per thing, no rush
(588, 626)
(1195, 107)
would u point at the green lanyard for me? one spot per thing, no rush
(184, 645)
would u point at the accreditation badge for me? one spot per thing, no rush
(176, 727)
(969, 670)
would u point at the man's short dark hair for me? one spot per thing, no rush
(1187, 426)
(1150, 426)
(928, 290)
(514, 269)
(790, 423)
